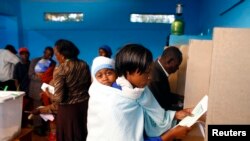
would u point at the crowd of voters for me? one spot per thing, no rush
(127, 98)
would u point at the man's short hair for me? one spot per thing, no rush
(172, 52)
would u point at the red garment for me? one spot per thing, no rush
(47, 76)
(45, 99)
(52, 136)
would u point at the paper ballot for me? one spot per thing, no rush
(197, 112)
(47, 117)
(51, 88)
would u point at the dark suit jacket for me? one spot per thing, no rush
(159, 86)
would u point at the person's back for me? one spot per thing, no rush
(115, 105)
(8, 61)
(71, 81)
(76, 78)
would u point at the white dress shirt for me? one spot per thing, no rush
(163, 68)
(7, 63)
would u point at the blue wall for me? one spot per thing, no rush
(9, 27)
(9, 7)
(237, 17)
(105, 22)
(8, 31)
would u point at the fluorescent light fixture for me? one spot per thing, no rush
(64, 17)
(151, 18)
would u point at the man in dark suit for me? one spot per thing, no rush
(167, 64)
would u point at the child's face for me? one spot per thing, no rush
(106, 76)
(139, 80)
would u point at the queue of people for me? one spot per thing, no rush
(114, 100)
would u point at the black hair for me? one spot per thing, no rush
(11, 48)
(50, 49)
(132, 58)
(172, 52)
(107, 50)
(67, 48)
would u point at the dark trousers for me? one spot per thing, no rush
(10, 83)
(71, 124)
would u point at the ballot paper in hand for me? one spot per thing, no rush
(50, 88)
(47, 117)
(197, 112)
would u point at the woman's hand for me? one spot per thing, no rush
(179, 115)
(178, 132)
(47, 92)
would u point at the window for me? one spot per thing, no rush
(64, 17)
(151, 18)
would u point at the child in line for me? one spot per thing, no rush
(119, 115)
(103, 70)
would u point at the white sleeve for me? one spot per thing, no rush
(11, 58)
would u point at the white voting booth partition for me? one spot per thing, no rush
(229, 93)
(220, 69)
(197, 81)
(198, 71)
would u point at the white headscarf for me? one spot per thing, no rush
(101, 62)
